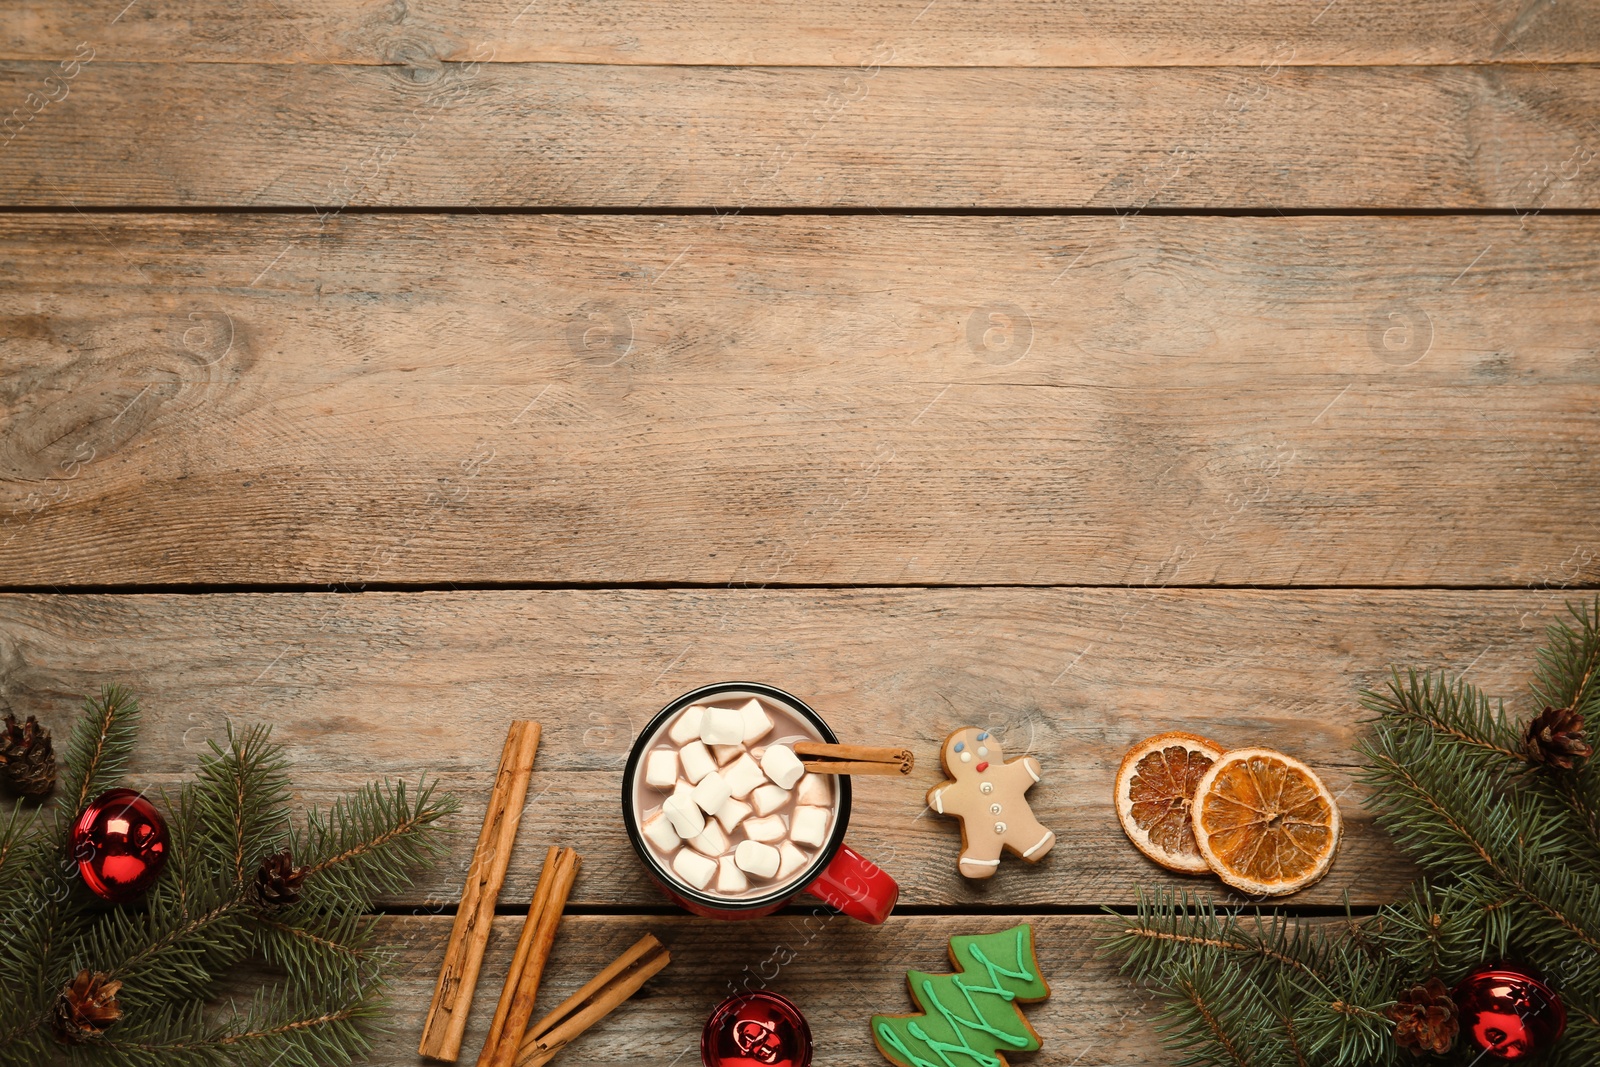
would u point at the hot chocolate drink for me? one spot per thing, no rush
(725, 805)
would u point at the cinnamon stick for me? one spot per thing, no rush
(533, 950)
(850, 767)
(853, 759)
(589, 1005)
(463, 956)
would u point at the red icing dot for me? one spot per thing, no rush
(983, 766)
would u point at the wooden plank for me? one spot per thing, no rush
(770, 400)
(828, 33)
(361, 685)
(837, 971)
(132, 134)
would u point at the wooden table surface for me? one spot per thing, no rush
(388, 371)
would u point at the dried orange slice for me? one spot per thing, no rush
(1265, 822)
(1155, 785)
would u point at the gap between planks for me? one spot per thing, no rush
(800, 211)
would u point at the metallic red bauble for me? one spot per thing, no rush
(120, 843)
(1508, 1013)
(756, 1030)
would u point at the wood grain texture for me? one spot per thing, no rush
(361, 685)
(839, 972)
(758, 400)
(467, 135)
(826, 33)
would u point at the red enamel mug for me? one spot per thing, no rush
(836, 873)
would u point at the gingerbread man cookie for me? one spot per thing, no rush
(987, 795)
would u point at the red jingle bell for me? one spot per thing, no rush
(1508, 1013)
(756, 1030)
(120, 844)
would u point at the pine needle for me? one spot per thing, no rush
(1512, 854)
(205, 921)
(98, 750)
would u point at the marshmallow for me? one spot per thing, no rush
(722, 726)
(697, 761)
(769, 798)
(726, 754)
(743, 776)
(730, 879)
(782, 765)
(756, 858)
(686, 727)
(683, 789)
(659, 832)
(711, 793)
(814, 789)
(790, 860)
(757, 723)
(694, 868)
(685, 816)
(712, 841)
(809, 826)
(769, 829)
(732, 813)
(661, 768)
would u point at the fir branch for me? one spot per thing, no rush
(101, 742)
(1286, 1020)
(239, 1037)
(40, 916)
(1581, 794)
(283, 1026)
(1172, 922)
(1219, 944)
(1443, 930)
(239, 796)
(154, 943)
(1455, 711)
(1450, 819)
(288, 1027)
(321, 948)
(198, 922)
(1567, 674)
(1210, 1018)
(299, 933)
(21, 854)
(367, 844)
(1513, 862)
(1305, 992)
(203, 915)
(1219, 1014)
(1480, 740)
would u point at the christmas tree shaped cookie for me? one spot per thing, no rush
(971, 1017)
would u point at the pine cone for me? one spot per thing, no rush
(87, 1006)
(1555, 737)
(27, 760)
(1425, 1018)
(278, 880)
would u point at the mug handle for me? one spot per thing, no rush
(856, 886)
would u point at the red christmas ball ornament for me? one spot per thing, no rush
(1508, 1013)
(756, 1030)
(120, 843)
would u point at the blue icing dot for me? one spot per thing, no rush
(960, 745)
(984, 736)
